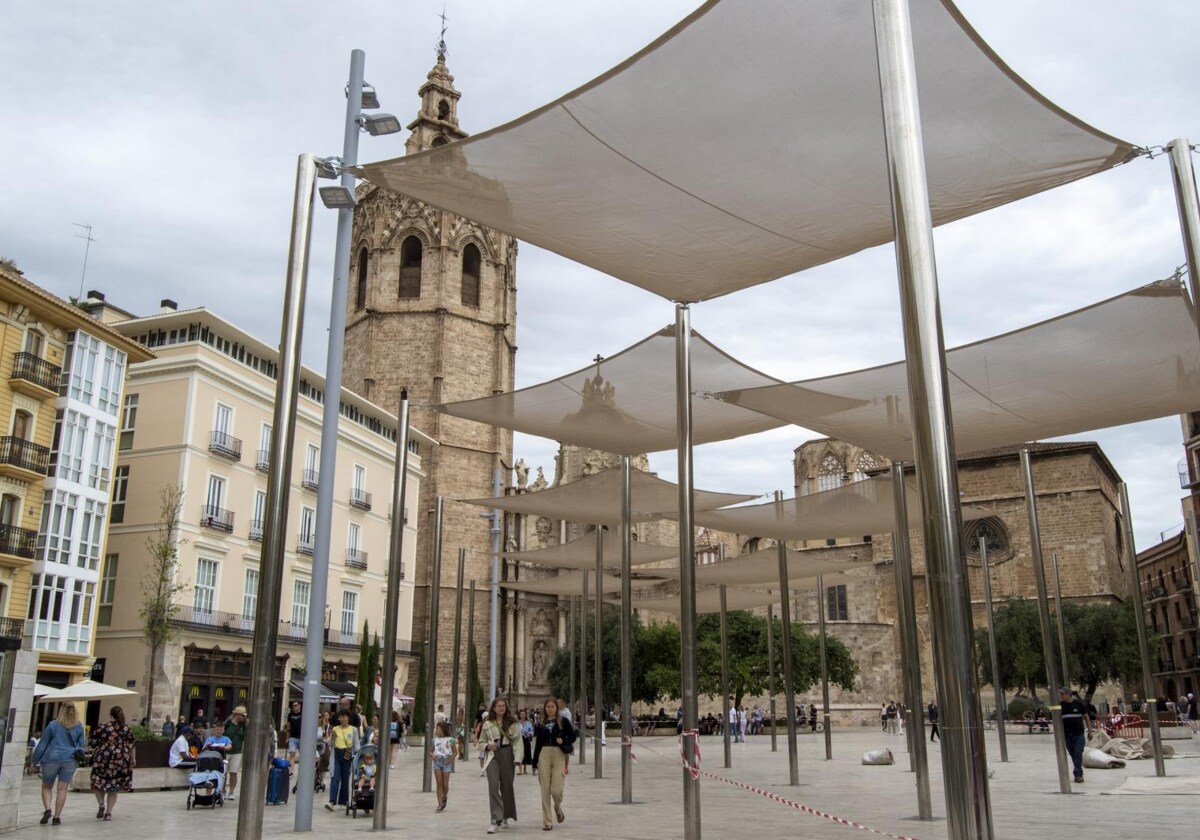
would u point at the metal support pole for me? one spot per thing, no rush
(789, 684)
(997, 684)
(391, 609)
(314, 651)
(494, 626)
(1186, 201)
(1139, 608)
(909, 646)
(1061, 622)
(726, 726)
(771, 675)
(626, 630)
(964, 762)
(456, 657)
(1052, 677)
(469, 714)
(583, 669)
(597, 664)
(687, 573)
(824, 668)
(573, 628)
(435, 589)
(260, 727)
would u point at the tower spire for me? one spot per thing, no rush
(441, 46)
(437, 120)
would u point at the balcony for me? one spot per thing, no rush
(306, 544)
(262, 460)
(1188, 621)
(308, 479)
(356, 559)
(34, 376)
(11, 632)
(23, 459)
(216, 518)
(17, 542)
(360, 498)
(225, 445)
(219, 623)
(1157, 592)
(256, 530)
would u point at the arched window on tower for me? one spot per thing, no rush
(443, 109)
(470, 275)
(360, 295)
(440, 140)
(411, 252)
(829, 474)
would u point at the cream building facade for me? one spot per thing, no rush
(199, 417)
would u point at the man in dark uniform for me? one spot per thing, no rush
(1075, 723)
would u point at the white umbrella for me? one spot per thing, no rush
(85, 690)
(40, 690)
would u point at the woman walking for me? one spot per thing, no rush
(445, 749)
(555, 741)
(343, 741)
(500, 739)
(112, 762)
(394, 728)
(526, 742)
(58, 752)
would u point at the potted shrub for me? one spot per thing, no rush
(150, 749)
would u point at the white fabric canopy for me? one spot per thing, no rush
(581, 553)
(852, 510)
(596, 499)
(626, 403)
(85, 690)
(762, 567)
(571, 583)
(1130, 358)
(747, 143)
(708, 600)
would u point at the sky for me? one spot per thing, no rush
(173, 129)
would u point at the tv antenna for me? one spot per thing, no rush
(86, 236)
(441, 47)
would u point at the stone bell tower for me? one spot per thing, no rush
(432, 306)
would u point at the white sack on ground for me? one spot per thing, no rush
(883, 756)
(1128, 749)
(1097, 760)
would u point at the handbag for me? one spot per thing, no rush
(347, 755)
(79, 756)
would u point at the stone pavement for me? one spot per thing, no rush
(1026, 802)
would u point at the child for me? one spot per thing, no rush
(366, 772)
(445, 749)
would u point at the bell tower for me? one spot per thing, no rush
(432, 307)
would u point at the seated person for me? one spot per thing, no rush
(181, 751)
(365, 779)
(217, 741)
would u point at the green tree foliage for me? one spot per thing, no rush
(418, 715)
(1018, 645)
(160, 584)
(610, 657)
(475, 693)
(364, 685)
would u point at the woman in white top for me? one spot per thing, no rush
(500, 741)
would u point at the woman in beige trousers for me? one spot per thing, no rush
(554, 741)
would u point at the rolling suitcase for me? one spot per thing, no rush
(277, 782)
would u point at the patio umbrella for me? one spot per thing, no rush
(39, 690)
(85, 690)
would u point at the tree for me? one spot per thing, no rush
(160, 584)
(559, 674)
(418, 722)
(475, 694)
(1018, 647)
(368, 673)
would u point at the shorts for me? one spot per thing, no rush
(443, 766)
(235, 763)
(60, 770)
(293, 745)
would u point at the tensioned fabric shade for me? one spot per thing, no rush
(747, 143)
(762, 566)
(596, 499)
(708, 600)
(571, 583)
(852, 510)
(581, 553)
(626, 403)
(1130, 358)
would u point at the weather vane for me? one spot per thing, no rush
(441, 47)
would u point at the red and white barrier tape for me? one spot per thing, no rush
(693, 769)
(627, 743)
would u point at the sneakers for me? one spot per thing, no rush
(45, 817)
(1079, 780)
(328, 806)
(558, 812)
(230, 796)
(491, 829)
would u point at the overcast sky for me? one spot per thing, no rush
(173, 129)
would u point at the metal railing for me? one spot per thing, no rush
(356, 559)
(37, 370)
(218, 622)
(12, 628)
(18, 542)
(1157, 592)
(360, 498)
(262, 460)
(217, 518)
(24, 454)
(308, 479)
(221, 443)
(306, 544)
(256, 530)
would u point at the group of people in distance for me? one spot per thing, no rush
(226, 737)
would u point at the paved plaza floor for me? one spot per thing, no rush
(1026, 802)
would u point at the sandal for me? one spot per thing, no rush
(107, 817)
(56, 821)
(100, 813)
(45, 816)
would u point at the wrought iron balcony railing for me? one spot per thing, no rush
(308, 479)
(217, 518)
(18, 542)
(225, 445)
(262, 460)
(360, 498)
(24, 454)
(356, 559)
(37, 370)
(306, 544)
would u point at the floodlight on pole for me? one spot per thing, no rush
(379, 124)
(369, 98)
(338, 197)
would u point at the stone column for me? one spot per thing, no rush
(509, 636)
(562, 626)
(520, 677)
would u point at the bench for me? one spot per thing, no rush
(144, 778)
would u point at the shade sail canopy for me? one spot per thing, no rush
(747, 143)
(85, 690)
(1130, 358)
(626, 403)
(762, 567)
(581, 553)
(852, 510)
(708, 600)
(596, 499)
(571, 583)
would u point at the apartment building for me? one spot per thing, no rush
(198, 417)
(1169, 598)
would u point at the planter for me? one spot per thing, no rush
(151, 753)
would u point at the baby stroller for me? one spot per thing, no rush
(322, 765)
(361, 800)
(207, 782)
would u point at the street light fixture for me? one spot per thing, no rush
(369, 97)
(379, 124)
(338, 198)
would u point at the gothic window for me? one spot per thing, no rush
(360, 297)
(411, 253)
(866, 464)
(991, 530)
(440, 140)
(470, 275)
(829, 474)
(443, 110)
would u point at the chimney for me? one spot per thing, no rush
(167, 305)
(94, 297)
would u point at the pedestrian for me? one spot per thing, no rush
(168, 728)
(812, 716)
(891, 721)
(554, 744)
(295, 724)
(933, 721)
(1075, 721)
(59, 752)
(112, 762)
(200, 720)
(526, 725)
(235, 731)
(741, 722)
(501, 738)
(445, 750)
(732, 722)
(180, 754)
(344, 743)
(883, 717)
(217, 741)
(394, 728)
